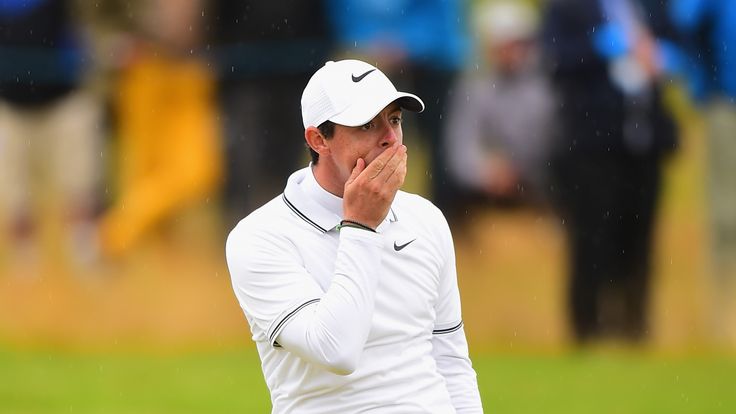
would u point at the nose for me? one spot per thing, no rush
(389, 137)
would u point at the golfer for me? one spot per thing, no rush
(349, 284)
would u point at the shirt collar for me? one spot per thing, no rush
(315, 205)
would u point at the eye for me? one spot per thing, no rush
(367, 126)
(396, 120)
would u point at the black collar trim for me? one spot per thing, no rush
(302, 215)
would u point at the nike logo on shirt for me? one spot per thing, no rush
(399, 247)
(357, 79)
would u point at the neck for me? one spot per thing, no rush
(328, 179)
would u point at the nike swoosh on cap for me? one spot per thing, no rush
(399, 247)
(357, 79)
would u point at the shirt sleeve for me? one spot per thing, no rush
(449, 345)
(287, 306)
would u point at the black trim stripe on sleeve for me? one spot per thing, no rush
(448, 330)
(272, 337)
(302, 215)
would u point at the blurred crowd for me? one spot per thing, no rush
(118, 116)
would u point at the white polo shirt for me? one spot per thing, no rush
(353, 321)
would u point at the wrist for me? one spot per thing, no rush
(355, 224)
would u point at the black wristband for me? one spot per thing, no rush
(355, 224)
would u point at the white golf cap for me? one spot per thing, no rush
(351, 93)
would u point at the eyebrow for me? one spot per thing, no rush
(395, 110)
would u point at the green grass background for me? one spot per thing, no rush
(230, 381)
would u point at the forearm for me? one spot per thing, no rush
(450, 351)
(332, 332)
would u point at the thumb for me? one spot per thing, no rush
(359, 167)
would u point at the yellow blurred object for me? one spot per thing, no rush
(169, 151)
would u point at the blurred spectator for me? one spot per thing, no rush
(709, 33)
(265, 52)
(49, 130)
(499, 120)
(615, 136)
(420, 44)
(168, 143)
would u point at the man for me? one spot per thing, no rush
(614, 138)
(264, 52)
(349, 284)
(50, 133)
(167, 134)
(496, 153)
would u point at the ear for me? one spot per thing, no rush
(316, 141)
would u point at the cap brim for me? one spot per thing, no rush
(362, 112)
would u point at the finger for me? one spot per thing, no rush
(400, 168)
(389, 169)
(396, 178)
(378, 164)
(359, 168)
